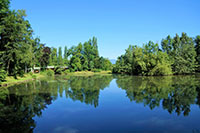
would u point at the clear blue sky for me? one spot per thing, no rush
(116, 23)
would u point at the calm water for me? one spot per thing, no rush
(117, 104)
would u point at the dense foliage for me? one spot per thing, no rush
(86, 57)
(181, 51)
(2, 75)
(20, 51)
(148, 60)
(197, 48)
(178, 55)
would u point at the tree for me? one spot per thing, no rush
(54, 57)
(197, 49)
(182, 53)
(163, 65)
(106, 64)
(16, 42)
(4, 9)
(53, 61)
(75, 63)
(148, 60)
(60, 59)
(44, 60)
(90, 51)
(66, 54)
(138, 64)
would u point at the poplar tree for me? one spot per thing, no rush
(60, 59)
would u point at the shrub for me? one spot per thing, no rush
(72, 70)
(21, 73)
(161, 70)
(34, 76)
(50, 73)
(58, 70)
(2, 75)
(96, 70)
(66, 72)
(30, 73)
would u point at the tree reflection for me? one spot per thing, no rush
(17, 111)
(21, 103)
(175, 93)
(87, 89)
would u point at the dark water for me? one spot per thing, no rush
(117, 104)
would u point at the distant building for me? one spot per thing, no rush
(38, 69)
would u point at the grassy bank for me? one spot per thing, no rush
(10, 80)
(89, 73)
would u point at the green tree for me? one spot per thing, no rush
(66, 55)
(105, 64)
(197, 49)
(44, 60)
(148, 60)
(53, 57)
(75, 63)
(182, 53)
(16, 42)
(90, 51)
(37, 51)
(60, 58)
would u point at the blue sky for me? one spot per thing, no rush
(116, 23)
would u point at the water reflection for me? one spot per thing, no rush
(86, 89)
(176, 93)
(17, 110)
(19, 104)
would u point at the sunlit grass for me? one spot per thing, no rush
(11, 80)
(89, 73)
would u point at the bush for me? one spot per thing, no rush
(21, 73)
(34, 76)
(3, 75)
(31, 73)
(96, 70)
(66, 72)
(58, 70)
(161, 70)
(50, 73)
(72, 70)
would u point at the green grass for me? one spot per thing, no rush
(10, 80)
(89, 73)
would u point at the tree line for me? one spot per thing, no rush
(19, 50)
(81, 57)
(177, 55)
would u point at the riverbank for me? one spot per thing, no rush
(10, 80)
(89, 73)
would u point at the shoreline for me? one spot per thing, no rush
(88, 73)
(27, 77)
(10, 80)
